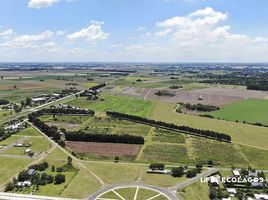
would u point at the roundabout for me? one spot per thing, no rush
(134, 191)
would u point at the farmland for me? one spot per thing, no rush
(98, 164)
(248, 111)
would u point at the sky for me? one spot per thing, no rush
(133, 30)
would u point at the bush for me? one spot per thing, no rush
(177, 172)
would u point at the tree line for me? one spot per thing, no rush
(200, 107)
(67, 111)
(111, 138)
(188, 130)
(96, 87)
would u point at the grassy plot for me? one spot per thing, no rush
(257, 157)
(122, 104)
(30, 131)
(82, 184)
(165, 153)
(220, 152)
(196, 191)
(11, 166)
(161, 180)
(240, 133)
(115, 172)
(6, 113)
(166, 136)
(249, 110)
(38, 145)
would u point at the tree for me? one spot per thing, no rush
(116, 159)
(53, 168)
(59, 178)
(28, 101)
(199, 167)
(23, 176)
(177, 171)
(9, 187)
(191, 173)
(69, 160)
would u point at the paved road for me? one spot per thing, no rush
(193, 180)
(13, 196)
(26, 112)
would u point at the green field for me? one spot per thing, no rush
(122, 104)
(11, 166)
(241, 133)
(249, 110)
(196, 191)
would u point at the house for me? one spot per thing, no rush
(257, 185)
(31, 171)
(27, 151)
(18, 145)
(55, 95)
(229, 198)
(236, 172)
(214, 181)
(261, 196)
(157, 171)
(39, 100)
(232, 192)
(24, 184)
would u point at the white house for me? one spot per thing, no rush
(236, 172)
(214, 181)
(261, 196)
(231, 191)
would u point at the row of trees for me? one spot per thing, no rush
(112, 138)
(96, 87)
(200, 107)
(50, 131)
(68, 110)
(188, 130)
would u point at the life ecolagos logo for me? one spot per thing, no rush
(237, 180)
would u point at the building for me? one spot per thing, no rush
(232, 192)
(236, 172)
(27, 151)
(24, 184)
(214, 181)
(31, 172)
(261, 196)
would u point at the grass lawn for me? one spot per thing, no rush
(128, 105)
(127, 193)
(196, 191)
(39, 145)
(161, 180)
(162, 135)
(240, 133)
(5, 113)
(30, 131)
(10, 140)
(115, 172)
(81, 185)
(249, 110)
(220, 152)
(145, 194)
(165, 153)
(11, 166)
(257, 157)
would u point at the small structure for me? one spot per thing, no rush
(18, 145)
(157, 171)
(214, 181)
(257, 185)
(31, 172)
(232, 192)
(261, 196)
(27, 151)
(24, 184)
(236, 172)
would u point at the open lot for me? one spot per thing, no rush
(122, 104)
(104, 148)
(249, 110)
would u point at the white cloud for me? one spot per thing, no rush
(7, 32)
(27, 41)
(115, 45)
(37, 4)
(141, 28)
(163, 33)
(92, 33)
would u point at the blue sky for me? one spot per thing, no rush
(128, 30)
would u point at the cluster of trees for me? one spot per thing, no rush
(253, 80)
(176, 87)
(4, 102)
(50, 131)
(182, 170)
(112, 138)
(157, 166)
(96, 87)
(27, 102)
(66, 111)
(188, 130)
(200, 107)
(217, 193)
(36, 178)
(164, 93)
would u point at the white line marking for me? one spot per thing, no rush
(119, 195)
(154, 197)
(136, 193)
